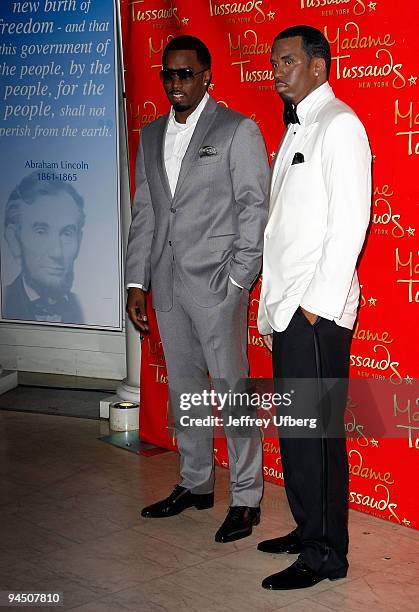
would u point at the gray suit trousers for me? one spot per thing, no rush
(200, 340)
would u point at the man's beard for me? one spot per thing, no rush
(181, 108)
(54, 291)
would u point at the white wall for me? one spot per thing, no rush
(33, 348)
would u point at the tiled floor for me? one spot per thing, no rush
(69, 509)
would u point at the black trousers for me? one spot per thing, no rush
(316, 467)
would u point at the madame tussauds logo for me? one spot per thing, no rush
(351, 39)
(249, 44)
(244, 46)
(382, 362)
(358, 7)
(252, 76)
(357, 468)
(368, 501)
(408, 119)
(155, 49)
(143, 116)
(383, 216)
(228, 9)
(138, 13)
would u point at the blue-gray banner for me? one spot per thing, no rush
(59, 192)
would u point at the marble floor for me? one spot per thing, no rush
(69, 510)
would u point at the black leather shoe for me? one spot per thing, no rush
(177, 502)
(238, 523)
(286, 544)
(299, 576)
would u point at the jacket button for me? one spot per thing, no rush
(170, 243)
(173, 210)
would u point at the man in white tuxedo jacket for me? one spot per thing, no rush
(319, 213)
(196, 237)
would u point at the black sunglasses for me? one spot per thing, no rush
(183, 74)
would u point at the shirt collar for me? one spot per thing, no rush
(31, 293)
(318, 95)
(193, 117)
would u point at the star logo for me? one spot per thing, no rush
(211, 86)
(273, 154)
(374, 442)
(271, 15)
(372, 6)
(412, 80)
(372, 301)
(411, 231)
(224, 464)
(185, 20)
(406, 522)
(408, 379)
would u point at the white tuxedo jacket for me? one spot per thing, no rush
(318, 218)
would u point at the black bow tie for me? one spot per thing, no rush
(290, 114)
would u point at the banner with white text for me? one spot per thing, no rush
(59, 193)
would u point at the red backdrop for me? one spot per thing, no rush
(375, 71)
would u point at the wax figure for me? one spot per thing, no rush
(196, 238)
(319, 212)
(43, 228)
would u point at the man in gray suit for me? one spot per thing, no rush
(196, 236)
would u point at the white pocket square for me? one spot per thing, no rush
(207, 151)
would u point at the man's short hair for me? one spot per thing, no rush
(30, 189)
(314, 43)
(189, 43)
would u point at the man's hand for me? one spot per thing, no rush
(136, 308)
(311, 317)
(267, 340)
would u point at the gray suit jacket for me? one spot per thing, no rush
(213, 226)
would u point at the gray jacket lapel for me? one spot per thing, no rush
(204, 123)
(161, 137)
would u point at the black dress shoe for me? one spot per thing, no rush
(286, 544)
(299, 576)
(177, 502)
(238, 523)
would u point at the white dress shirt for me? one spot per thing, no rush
(178, 137)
